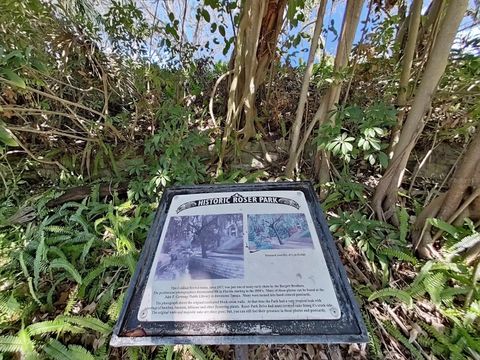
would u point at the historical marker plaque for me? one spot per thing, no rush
(239, 264)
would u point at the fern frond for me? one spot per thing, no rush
(209, 354)
(169, 354)
(53, 326)
(57, 351)
(68, 267)
(392, 330)
(373, 340)
(196, 352)
(89, 323)
(133, 353)
(442, 338)
(10, 308)
(391, 292)
(28, 346)
(114, 309)
(10, 343)
(57, 252)
(59, 239)
(434, 285)
(400, 255)
(39, 256)
(466, 243)
(32, 291)
(80, 353)
(72, 298)
(403, 218)
(87, 248)
(57, 229)
(110, 261)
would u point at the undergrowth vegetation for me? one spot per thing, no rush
(102, 108)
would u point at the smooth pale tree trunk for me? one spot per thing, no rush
(255, 48)
(242, 86)
(433, 14)
(331, 97)
(349, 28)
(297, 125)
(387, 188)
(407, 61)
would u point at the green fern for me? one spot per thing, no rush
(169, 354)
(72, 299)
(133, 353)
(403, 219)
(446, 342)
(10, 308)
(392, 330)
(394, 253)
(39, 257)
(57, 252)
(466, 243)
(57, 351)
(107, 262)
(80, 353)
(57, 229)
(434, 284)
(391, 292)
(114, 309)
(449, 294)
(89, 323)
(68, 267)
(373, 340)
(196, 352)
(10, 344)
(209, 353)
(53, 326)
(59, 239)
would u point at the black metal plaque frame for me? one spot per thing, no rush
(350, 328)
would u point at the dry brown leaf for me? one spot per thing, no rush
(310, 351)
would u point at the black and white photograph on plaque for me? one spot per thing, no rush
(201, 247)
(278, 231)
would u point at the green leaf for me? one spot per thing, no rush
(444, 226)
(57, 351)
(221, 30)
(89, 323)
(53, 326)
(197, 352)
(39, 66)
(391, 292)
(68, 267)
(13, 77)
(6, 136)
(10, 344)
(383, 158)
(206, 15)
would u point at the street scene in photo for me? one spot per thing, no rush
(202, 247)
(278, 231)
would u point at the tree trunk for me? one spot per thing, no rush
(204, 247)
(386, 191)
(427, 29)
(255, 48)
(297, 125)
(462, 200)
(349, 27)
(402, 30)
(407, 61)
